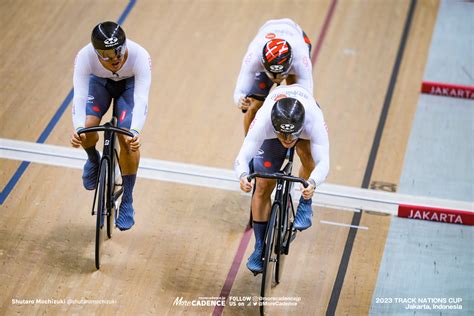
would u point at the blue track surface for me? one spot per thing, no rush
(429, 260)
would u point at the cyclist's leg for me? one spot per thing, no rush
(97, 104)
(291, 79)
(260, 87)
(270, 158)
(129, 160)
(304, 213)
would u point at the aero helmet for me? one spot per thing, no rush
(108, 36)
(288, 118)
(277, 58)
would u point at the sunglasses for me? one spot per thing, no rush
(110, 54)
(276, 76)
(289, 137)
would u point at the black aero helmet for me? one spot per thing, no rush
(108, 36)
(288, 117)
(277, 58)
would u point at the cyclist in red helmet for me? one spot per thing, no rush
(277, 59)
(280, 51)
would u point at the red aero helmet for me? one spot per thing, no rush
(277, 58)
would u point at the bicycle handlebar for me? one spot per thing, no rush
(277, 176)
(102, 128)
(256, 97)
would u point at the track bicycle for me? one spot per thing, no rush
(107, 190)
(280, 232)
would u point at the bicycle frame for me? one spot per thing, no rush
(282, 193)
(279, 234)
(104, 195)
(284, 181)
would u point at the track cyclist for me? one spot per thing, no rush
(112, 67)
(280, 51)
(290, 117)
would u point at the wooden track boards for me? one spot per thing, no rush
(185, 238)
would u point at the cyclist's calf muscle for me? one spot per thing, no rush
(129, 160)
(91, 139)
(261, 199)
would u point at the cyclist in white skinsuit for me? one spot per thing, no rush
(292, 117)
(112, 68)
(137, 66)
(279, 51)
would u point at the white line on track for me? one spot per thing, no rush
(344, 225)
(327, 195)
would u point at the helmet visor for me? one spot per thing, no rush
(287, 132)
(277, 76)
(111, 54)
(289, 137)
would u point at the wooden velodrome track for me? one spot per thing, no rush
(186, 237)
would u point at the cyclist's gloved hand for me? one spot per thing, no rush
(308, 192)
(135, 141)
(77, 140)
(245, 185)
(244, 103)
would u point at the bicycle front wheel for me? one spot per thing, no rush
(113, 194)
(101, 211)
(270, 256)
(285, 236)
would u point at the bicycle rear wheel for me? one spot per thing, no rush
(270, 257)
(101, 211)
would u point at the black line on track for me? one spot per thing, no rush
(341, 273)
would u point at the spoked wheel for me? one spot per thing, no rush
(270, 258)
(286, 235)
(101, 212)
